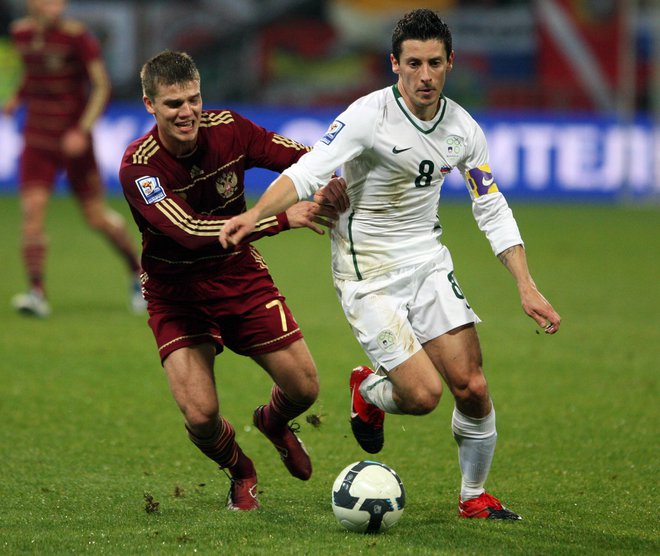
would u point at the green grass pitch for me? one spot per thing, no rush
(89, 428)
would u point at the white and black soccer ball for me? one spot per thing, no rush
(368, 497)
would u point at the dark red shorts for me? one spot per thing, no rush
(241, 309)
(39, 167)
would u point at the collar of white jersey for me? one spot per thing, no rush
(423, 126)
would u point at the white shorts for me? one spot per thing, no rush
(392, 315)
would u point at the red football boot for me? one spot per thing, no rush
(366, 419)
(485, 506)
(290, 447)
(243, 494)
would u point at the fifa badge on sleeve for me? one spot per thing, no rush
(150, 188)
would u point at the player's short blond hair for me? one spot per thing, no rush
(167, 68)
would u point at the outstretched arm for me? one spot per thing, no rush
(308, 214)
(330, 200)
(533, 303)
(279, 196)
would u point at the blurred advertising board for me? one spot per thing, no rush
(534, 156)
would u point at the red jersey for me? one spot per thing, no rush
(55, 80)
(181, 204)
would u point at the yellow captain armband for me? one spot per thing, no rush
(481, 181)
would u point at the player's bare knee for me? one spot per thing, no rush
(420, 402)
(33, 235)
(201, 420)
(202, 429)
(473, 391)
(304, 392)
(478, 387)
(312, 392)
(101, 219)
(96, 222)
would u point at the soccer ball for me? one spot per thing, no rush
(368, 497)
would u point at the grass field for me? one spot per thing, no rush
(89, 428)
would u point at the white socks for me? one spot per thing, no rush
(476, 439)
(377, 390)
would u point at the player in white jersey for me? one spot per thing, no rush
(395, 164)
(394, 278)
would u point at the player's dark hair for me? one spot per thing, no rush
(421, 25)
(167, 68)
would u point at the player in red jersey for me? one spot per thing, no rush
(183, 180)
(65, 88)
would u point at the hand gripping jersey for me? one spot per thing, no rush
(181, 204)
(395, 165)
(55, 81)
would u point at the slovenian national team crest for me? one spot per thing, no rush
(386, 340)
(150, 188)
(333, 131)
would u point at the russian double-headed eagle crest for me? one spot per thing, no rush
(227, 184)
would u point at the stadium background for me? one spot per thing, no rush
(93, 454)
(568, 91)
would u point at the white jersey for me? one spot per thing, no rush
(394, 165)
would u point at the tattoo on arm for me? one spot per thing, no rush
(505, 255)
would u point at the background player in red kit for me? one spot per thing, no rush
(183, 180)
(65, 88)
